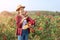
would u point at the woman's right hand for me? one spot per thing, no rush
(23, 18)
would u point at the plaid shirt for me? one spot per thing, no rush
(19, 26)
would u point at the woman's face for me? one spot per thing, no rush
(22, 10)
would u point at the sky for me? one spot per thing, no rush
(47, 5)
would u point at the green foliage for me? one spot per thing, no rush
(46, 28)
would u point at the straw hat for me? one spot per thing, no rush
(19, 6)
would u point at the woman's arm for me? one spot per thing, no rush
(31, 21)
(18, 21)
(21, 21)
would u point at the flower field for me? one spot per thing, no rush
(47, 27)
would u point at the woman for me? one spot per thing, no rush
(23, 23)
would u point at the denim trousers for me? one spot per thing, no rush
(24, 35)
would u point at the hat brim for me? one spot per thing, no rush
(19, 8)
